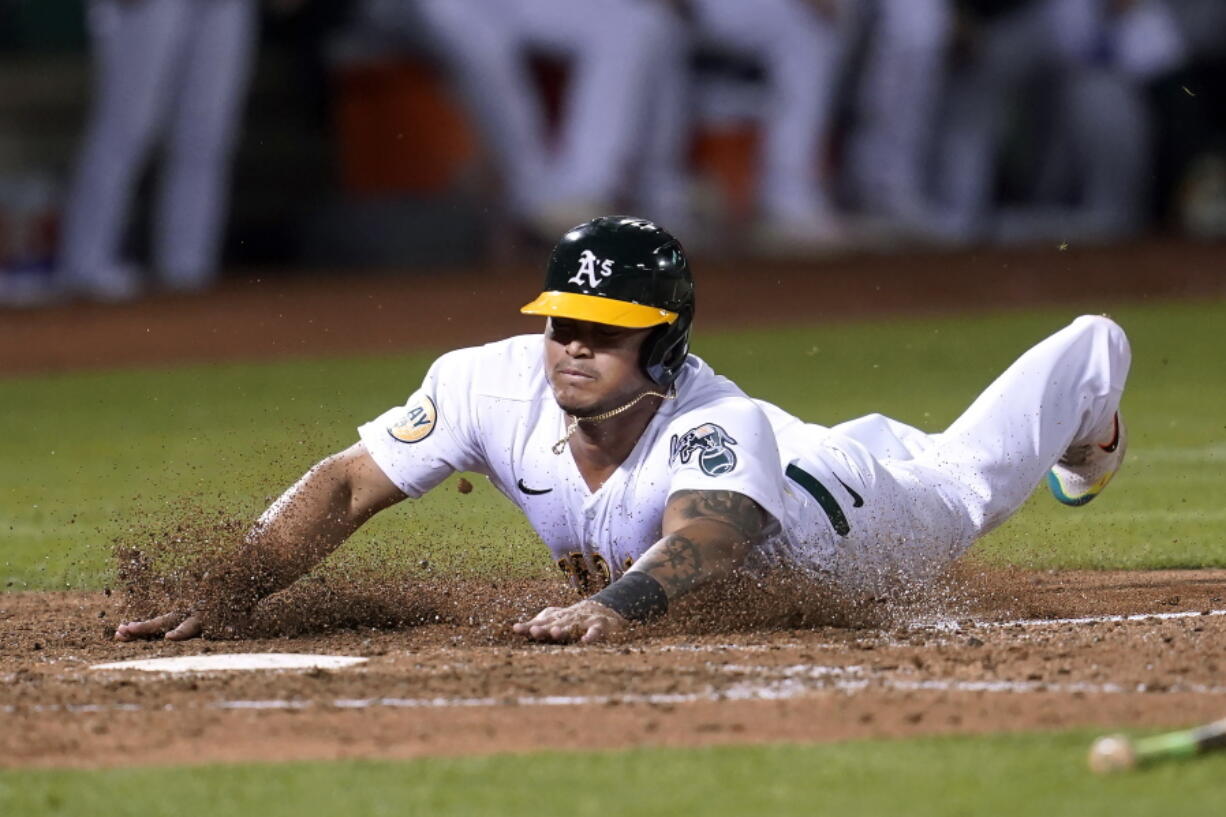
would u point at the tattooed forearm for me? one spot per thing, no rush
(709, 533)
(729, 507)
(677, 563)
(681, 554)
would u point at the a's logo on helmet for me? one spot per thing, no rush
(592, 271)
(712, 443)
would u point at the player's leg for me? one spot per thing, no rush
(1009, 50)
(661, 179)
(196, 170)
(612, 47)
(484, 49)
(801, 49)
(904, 505)
(135, 51)
(872, 519)
(1063, 393)
(1100, 135)
(897, 99)
(1109, 123)
(803, 61)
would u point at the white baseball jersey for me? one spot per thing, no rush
(868, 502)
(490, 410)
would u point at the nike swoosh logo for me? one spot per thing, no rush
(1115, 438)
(531, 491)
(856, 499)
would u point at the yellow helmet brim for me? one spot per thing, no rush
(598, 310)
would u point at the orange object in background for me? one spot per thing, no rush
(728, 156)
(399, 128)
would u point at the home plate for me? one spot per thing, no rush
(236, 661)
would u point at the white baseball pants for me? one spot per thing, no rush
(928, 497)
(613, 48)
(802, 51)
(896, 101)
(1101, 121)
(178, 66)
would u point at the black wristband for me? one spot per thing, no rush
(636, 596)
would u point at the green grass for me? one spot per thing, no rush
(86, 456)
(1040, 774)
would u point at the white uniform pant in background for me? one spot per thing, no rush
(174, 66)
(801, 51)
(613, 49)
(925, 498)
(1100, 127)
(896, 102)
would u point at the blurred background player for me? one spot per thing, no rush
(798, 48)
(168, 71)
(956, 93)
(939, 121)
(1190, 138)
(1051, 73)
(613, 50)
(895, 98)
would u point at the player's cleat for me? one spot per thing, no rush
(1084, 470)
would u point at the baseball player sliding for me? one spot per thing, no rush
(648, 475)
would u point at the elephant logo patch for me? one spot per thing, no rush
(712, 444)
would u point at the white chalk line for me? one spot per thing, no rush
(1040, 622)
(943, 625)
(787, 683)
(841, 679)
(947, 625)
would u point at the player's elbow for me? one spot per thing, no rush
(359, 485)
(729, 546)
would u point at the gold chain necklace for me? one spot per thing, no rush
(560, 445)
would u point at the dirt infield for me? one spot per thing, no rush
(998, 654)
(1009, 659)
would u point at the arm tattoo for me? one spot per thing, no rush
(699, 552)
(735, 510)
(677, 563)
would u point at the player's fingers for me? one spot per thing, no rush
(562, 633)
(150, 628)
(190, 628)
(543, 632)
(596, 632)
(540, 618)
(541, 621)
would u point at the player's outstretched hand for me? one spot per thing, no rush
(172, 627)
(587, 622)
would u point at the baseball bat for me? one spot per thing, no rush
(1116, 753)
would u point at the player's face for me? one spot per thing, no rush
(593, 367)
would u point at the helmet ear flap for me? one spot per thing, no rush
(666, 348)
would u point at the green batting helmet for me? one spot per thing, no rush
(624, 271)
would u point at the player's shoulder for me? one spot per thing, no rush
(699, 388)
(704, 397)
(714, 429)
(509, 368)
